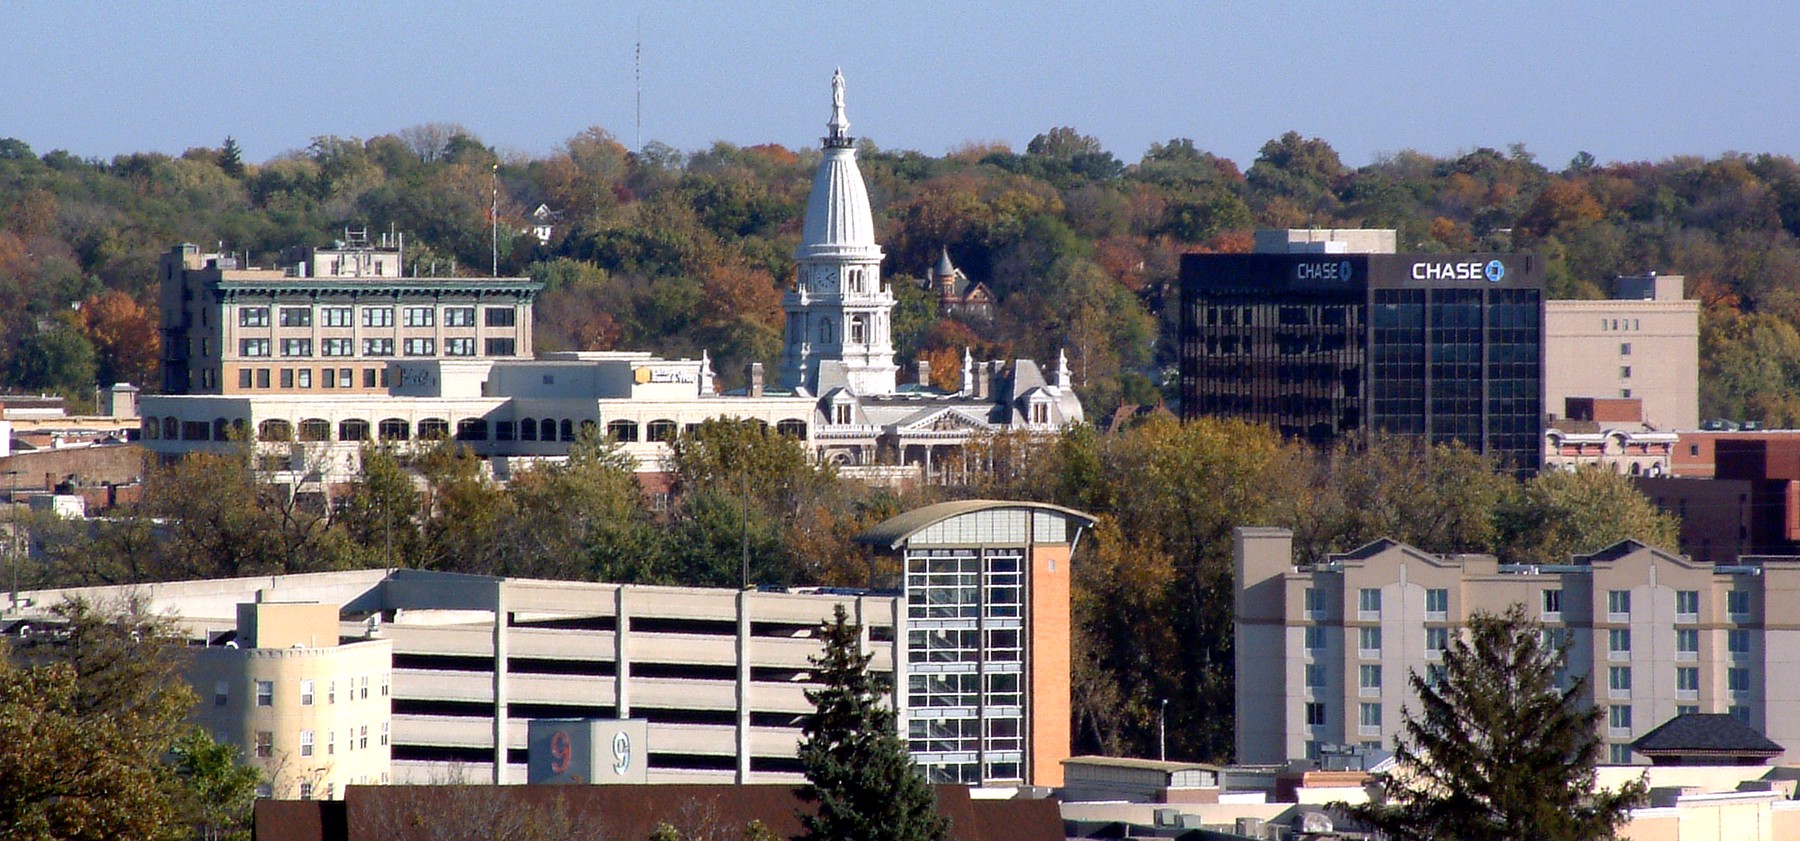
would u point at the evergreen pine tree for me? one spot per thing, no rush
(858, 770)
(231, 158)
(1499, 752)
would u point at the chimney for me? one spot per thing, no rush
(755, 388)
(982, 383)
(924, 368)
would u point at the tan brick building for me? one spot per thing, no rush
(1324, 651)
(1643, 343)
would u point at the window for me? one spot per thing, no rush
(1435, 674)
(1687, 604)
(420, 316)
(253, 317)
(253, 347)
(1369, 677)
(265, 693)
(1624, 348)
(384, 732)
(1436, 640)
(306, 743)
(306, 693)
(1437, 602)
(1369, 600)
(1737, 603)
(1370, 715)
(336, 347)
(1737, 641)
(1619, 641)
(296, 316)
(421, 347)
(243, 382)
(1619, 717)
(1687, 642)
(501, 347)
(1315, 676)
(459, 347)
(262, 378)
(1737, 679)
(363, 684)
(1619, 754)
(265, 790)
(1552, 602)
(1687, 709)
(1739, 712)
(1618, 602)
(221, 693)
(1315, 638)
(265, 744)
(1687, 679)
(1315, 602)
(334, 316)
(305, 790)
(459, 316)
(1625, 372)
(330, 742)
(1618, 678)
(378, 316)
(1368, 639)
(296, 347)
(501, 316)
(378, 347)
(344, 378)
(363, 741)
(1315, 714)
(305, 377)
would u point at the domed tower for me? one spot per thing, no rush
(839, 308)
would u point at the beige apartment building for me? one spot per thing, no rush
(311, 712)
(1324, 650)
(327, 322)
(1642, 343)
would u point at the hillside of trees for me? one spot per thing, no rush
(677, 251)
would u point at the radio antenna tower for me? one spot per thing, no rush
(639, 71)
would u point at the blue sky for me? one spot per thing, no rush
(1639, 81)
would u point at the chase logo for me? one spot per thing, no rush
(1495, 271)
(1323, 271)
(1344, 270)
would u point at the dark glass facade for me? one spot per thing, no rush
(1443, 346)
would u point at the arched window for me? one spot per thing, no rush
(660, 430)
(792, 428)
(859, 330)
(353, 429)
(528, 430)
(623, 431)
(221, 429)
(195, 430)
(471, 429)
(434, 429)
(274, 429)
(825, 332)
(760, 425)
(394, 429)
(315, 429)
(237, 428)
(171, 430)
(568, 429)
(587, 426)
(152, 428)
(547, 430)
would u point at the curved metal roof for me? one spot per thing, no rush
(895, 530)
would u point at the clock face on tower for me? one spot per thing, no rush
(824, 279)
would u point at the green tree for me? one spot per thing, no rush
(1556, 514)
(858, 771)
(219, 789)
(57, 359)
(1497, 751)
(381, 512)
(584, 519)
(231, 158)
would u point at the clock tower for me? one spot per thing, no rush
(839, 309)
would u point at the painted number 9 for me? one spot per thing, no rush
(621, 752)
(559, 752)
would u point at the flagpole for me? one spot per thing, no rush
(494, 216)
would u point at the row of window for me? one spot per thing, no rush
(1618, 640)
(377, 316)
(355, 689)
(1618, 602)
(356, 738)
(464, 346)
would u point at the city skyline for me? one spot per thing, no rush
(1371, 80)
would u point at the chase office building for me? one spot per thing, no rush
(1320, 345)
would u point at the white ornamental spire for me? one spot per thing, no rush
(838, 129)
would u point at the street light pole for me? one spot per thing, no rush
(12, 533)
(1162, 731)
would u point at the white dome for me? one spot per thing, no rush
(838, 220)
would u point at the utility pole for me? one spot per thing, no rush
(744, 529)
(12, 532)
(494, 214)
(1162, 731)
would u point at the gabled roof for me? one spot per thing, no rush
(1625, 548)
(894, 530)
(1711, 733)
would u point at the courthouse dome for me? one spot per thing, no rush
(838, 219)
